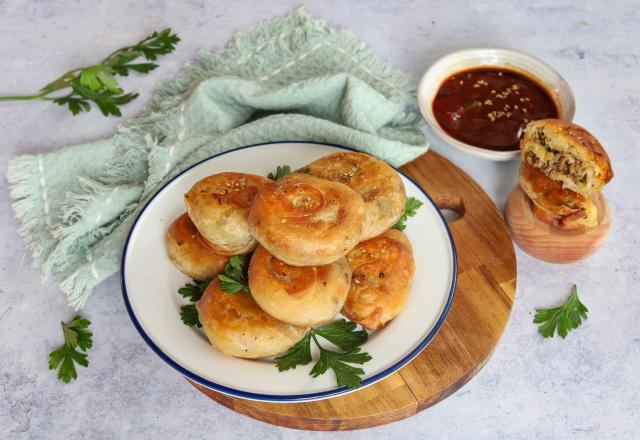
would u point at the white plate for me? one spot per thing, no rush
(150, 288)
(474, 58)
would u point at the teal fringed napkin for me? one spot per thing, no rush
(293, 78)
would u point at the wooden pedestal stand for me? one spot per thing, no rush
(549, 243)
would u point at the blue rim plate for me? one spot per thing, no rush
(149, 288)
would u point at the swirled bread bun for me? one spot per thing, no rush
(382, 270)
(303, 296)
(554, 204)
(236, 326)
(307, 221)
(190, 252)
(219, 205)
(568, 153)
(379, 185)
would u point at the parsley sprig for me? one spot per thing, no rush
(76, 336)
(192, 292)
(342, 334)
(234, 279)
(564, 318)
(97, 83)
(410, 209)
(281, 171)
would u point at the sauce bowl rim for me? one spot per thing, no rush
(521, 62)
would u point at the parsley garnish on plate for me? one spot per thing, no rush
(192, 292)
(189, 315)
(281, 171)
(76, 336)
(342, 334)
(234, 279)
(97, 83)
(410, 209)
(564, 318)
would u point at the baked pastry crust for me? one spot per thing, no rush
(566, 222)
(568, 153)
(307, 221)
(303, 296)
(382, 270)
(379, 185)
(190, 252)
(554, 204)
(219, 205)
(236, 326)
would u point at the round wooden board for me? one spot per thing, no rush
(478, 316)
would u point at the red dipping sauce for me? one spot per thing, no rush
(489, 107)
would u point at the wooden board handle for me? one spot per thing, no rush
(451, 206)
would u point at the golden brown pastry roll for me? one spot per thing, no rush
(303, 296)
(382, 270)
(190, 252)
(379, 185)
(236, 326)
(219, 205)
(571, 221)
(567, 153)
(556, 205)
(307, 221)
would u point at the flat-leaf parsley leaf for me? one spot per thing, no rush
(410, 208)
(234, 279)
(346, 375)
(564, 318)
(76, 336)
(189, 315)
(342, 334)
(192, 292)
(299, 354)
(281, 171)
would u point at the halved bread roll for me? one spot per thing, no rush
(567, 153)
(303, 296)
(236, 326)
(556, 205)
(379, 185)
(219, 205)
(382, 270)
(307, 221)
(190, 252)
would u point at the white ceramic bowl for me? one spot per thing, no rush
(474, 58)
(150, 284)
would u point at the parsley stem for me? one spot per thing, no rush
(22, 98)
(109, 60)
(80, 87)
(313, 335)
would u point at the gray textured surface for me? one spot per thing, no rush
(586, 386)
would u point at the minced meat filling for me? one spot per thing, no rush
(565, 164)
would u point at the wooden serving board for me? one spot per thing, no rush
(480, 311)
